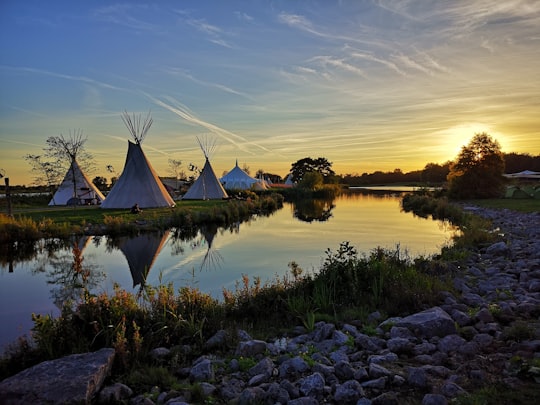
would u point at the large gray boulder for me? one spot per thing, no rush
(429, 323)
(73, 379)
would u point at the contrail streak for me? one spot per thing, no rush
(236, 140)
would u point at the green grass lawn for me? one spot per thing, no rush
(524, 205)
(95, 215)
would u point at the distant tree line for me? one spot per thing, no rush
(435, 173)
(518, 162)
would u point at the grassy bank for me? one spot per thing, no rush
(31, 224)
(524, 205)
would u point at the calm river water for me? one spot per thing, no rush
(216, 258)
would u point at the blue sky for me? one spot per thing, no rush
(370, 85)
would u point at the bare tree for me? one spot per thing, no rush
(45, 171)
(175, 166)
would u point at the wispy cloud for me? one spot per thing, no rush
(226, 89)
(408, 62)
(123, 15)
(242, 16)
(177, 108)
(213, 33)
(330, 61)
(82, 79)
(26, 111)
(302, 23)
(369, 57)
(21, 143)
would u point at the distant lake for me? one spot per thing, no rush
(216, 258)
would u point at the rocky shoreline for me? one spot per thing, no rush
(486, 332)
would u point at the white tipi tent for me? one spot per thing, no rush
(207, 185)
(138, 183)
(237, 179)
(288, 181)
(260, 185)
(87, 192)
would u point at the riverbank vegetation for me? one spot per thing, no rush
(62, 222)
(347, 287)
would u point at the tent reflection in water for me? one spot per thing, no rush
(212, 258)
(138, 183)
(141, 252)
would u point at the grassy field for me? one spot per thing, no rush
(525, 205)
(95, 215)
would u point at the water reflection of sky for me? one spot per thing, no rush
(217, 258)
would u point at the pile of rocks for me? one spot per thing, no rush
(429, 357)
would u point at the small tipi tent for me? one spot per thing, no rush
(138, 183)
(207, 185)
(237, 179)
(87, 192)
(288, 181)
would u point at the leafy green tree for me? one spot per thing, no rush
(518, 162)
(307, 165)
(435, 173)
(478, 170)
(311, 181)
(100, 182)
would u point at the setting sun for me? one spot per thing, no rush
(454, 138)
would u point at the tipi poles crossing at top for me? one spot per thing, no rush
(136, 127)
(207, 145)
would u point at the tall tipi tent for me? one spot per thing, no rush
(207, 185)
(138, 183)
(237, 179)
(87, 192)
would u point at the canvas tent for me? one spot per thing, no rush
(138, 183)
(525, 174)
(518, 193)
(260, 185)
(288, 181)
(237, 179)
(86, 191)
(207, 185)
